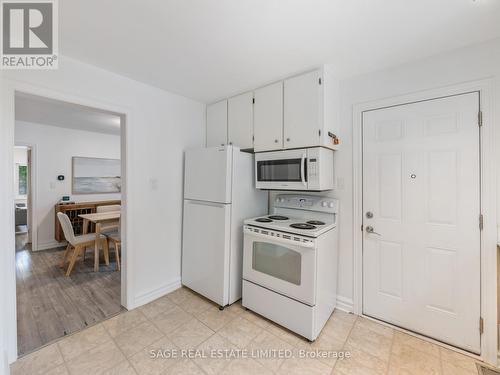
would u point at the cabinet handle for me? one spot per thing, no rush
(230, 143)
(288, 139)
(275, 141)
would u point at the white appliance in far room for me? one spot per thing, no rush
(219, 194)
(290, 261)
(297, 169)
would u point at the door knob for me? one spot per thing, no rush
(369, 229)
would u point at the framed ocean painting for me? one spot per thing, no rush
(96, 175)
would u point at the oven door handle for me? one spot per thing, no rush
(280, 240)
(303, 169)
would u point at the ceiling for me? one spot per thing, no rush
(39, 110)
(209, 49)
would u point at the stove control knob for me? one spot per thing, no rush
(330, 204)
(324, 204)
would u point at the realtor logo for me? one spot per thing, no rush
(29, 34)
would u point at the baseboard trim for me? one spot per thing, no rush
(345, 304)
(50, 245)
(150, 296)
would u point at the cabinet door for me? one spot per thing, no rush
(302, 110)
(240, 120)
(268, 117)
(217, 124)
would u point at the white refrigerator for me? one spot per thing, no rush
(219, 193)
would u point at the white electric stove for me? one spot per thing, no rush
(290, 262)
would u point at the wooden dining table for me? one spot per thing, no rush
(98, 219)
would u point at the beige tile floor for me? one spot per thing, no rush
(184, 320)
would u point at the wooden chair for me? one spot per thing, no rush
(78, 243)
(115, 238)
(108, 227)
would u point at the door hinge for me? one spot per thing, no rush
(319, 80)
(253, 100)
(480, 118)
(361, 227)
(481, 325)
(481, 222)
(319, 131)
(253, 137)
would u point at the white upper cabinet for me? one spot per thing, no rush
(268, 118)
(217, 124)
(240, 120)
(303, 105)
(302, 111)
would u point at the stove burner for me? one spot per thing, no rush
(302, 226)
(315, 222)
(278, 217)
(263, 220)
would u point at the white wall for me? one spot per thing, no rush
(160, 126)
(54, 148)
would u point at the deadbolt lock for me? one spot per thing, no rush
(369, 215)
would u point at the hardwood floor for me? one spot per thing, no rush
(51, 305)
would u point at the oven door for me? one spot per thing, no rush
(281, 170)
(278, 262)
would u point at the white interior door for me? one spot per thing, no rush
(421, 195)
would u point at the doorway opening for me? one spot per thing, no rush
(68, 185)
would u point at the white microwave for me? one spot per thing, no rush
(299, 169)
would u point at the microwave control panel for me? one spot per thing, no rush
(312, 167)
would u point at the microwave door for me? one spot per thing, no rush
(282, 173)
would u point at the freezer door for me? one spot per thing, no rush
(207, 174)
(205, 249)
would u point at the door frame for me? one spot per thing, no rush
(7, 120)
(32, 190)
(488, 183)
